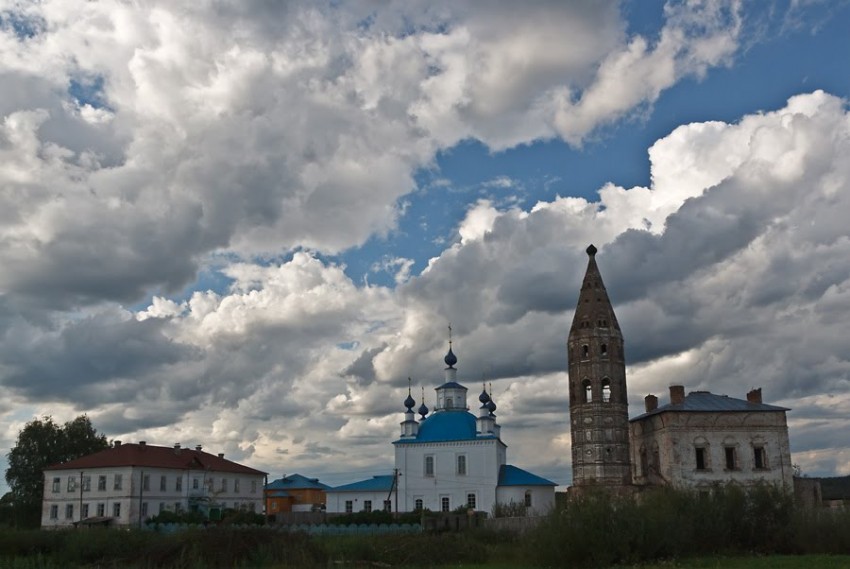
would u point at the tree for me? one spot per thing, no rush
(43, 442)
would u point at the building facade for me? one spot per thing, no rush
(701, 439)
(599, 407)
(447, 460)
(128, 483)
(295, 493)
(698, 439)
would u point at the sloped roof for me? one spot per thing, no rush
(447, 425)
(510, 475)
(382, 483)
(155, 457)
(703, 401)
(296, 482)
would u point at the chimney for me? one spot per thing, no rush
(143, 443)
(754, 396)
(116, 443)
(177, 445)
(198, 448)
(651, 402)
(221, 455)
(677, 394)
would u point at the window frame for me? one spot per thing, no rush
(460, 465)
(429, 466)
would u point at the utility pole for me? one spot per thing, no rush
(81, 497)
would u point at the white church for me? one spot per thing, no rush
(447, 460)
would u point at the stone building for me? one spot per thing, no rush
(695, 440)
(700, 439)
(599, 408)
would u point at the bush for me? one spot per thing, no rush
(599, 529)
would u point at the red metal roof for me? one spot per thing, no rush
(155, 457)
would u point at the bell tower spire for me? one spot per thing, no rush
(599, 415)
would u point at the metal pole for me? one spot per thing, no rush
(81, 496)
(141, 494)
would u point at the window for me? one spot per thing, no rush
(417, 504)
(224, 484)
(69, 511)
(54, 512)
(429, 466)
(585, 351)
(57, 483)
(367, 505)
(178, 506)
(101, 510)
(144, 509)
(86, 482)
(101, 483)
(196, 483)
(349, 506)
(253, 486)
(85, 511)
(700, 458)
(252, 507)
(606, 391)
(528, 498)
(588, 391)
(388, 506)
(117, 482)
(731, 459)
(603, 349)
(163, 483)
(236, 485)
(72, 484)
(470, 501)
(161, 507)
(274, 505)
(461, 464)
(146, 482)
(178, 483)
(449, 403)
(644, 462)
(759, 457)
(444, 504)
(116, 510)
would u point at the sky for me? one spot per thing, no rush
(245, 224)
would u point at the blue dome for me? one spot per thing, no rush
(451, 358)
(448, 426)
(423, 409)
(409, 402)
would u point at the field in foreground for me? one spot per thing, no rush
(762, 562)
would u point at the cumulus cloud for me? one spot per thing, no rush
(138, 140)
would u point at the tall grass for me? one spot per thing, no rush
(598, 529)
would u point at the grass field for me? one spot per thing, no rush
(764, 562)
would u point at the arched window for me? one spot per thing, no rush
(585, 351)
(603, 349)
(588, 391)
(528, 498)
(606, 391)
(449, 403)
(644, 462)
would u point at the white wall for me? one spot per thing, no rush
(133, 494)
(336, 501)
(542, 498)
(483, 459)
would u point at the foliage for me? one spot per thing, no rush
(509, 510)
(41, 443)
(598, 529)
(183, 517)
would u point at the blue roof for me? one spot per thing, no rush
(296, 482)
(510, 475)
(703, 401)
(447, 425)
(383, 483)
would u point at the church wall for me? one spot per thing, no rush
(336, 501)
(483, 459)
(664, 448)
(542, 498)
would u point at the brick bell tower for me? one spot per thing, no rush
(599, 416)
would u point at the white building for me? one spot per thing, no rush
(703, 439)
(448, 460)
(126, 484)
